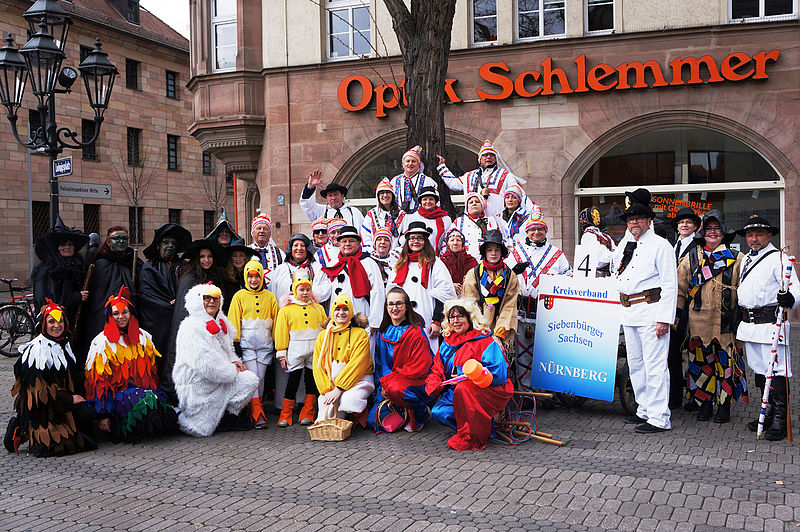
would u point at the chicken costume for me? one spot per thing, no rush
(296, 330)
(122, 379)
(342, 359)
(206, 380)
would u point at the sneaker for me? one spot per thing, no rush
(647, 428)
(634, 419)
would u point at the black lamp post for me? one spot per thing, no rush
(40, 62)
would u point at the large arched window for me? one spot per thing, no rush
(361, 190)
(683, 166)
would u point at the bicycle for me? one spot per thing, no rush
(17, 319)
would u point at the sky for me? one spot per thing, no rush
(173, 12)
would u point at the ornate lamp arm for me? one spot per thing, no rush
(31, 144)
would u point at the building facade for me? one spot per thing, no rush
(696, 101)
(144, 132)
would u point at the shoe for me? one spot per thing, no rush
(691, 406)
(233, 423)
(257, 414)
(777, 431)
(309, 410)
(630, 420)
(723, 414)
(647, 428)
(12, 439)
(285, 420)
(705, 412)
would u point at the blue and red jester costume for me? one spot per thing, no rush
(403, 361)
(465, 407)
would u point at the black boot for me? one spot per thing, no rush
(723, 412)
(705, 412)
(777, 431)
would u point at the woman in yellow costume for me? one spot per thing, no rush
(122, 379)
(296, 329)
(252, 312)
(342, 363)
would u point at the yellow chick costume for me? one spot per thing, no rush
(296, 329)
(252, 313)
(342, 358)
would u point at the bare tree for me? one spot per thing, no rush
(135, 178)
(215, 187)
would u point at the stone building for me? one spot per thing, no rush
(145, 130)
(585, 99)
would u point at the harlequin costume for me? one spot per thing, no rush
(46, 414)
(252, 313)
(270, 255)
(379, 218)
(329, 253)
(491, 182)
(513, 221)
(465, 407)
(342, 359)
(403, 360)
(474, 227)
(436, 219)
(206, 380)
(408, 188)
(122, 379)
(297, 327)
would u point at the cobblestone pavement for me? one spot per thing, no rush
(699, 476)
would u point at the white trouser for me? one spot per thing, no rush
(647, 363)
(353, 400)
(760, 355)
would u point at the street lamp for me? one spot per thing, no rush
(39, 61)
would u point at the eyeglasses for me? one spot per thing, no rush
(395, 304)
(209, 299)
(416, 238)
(453, 317)
(713, 229)
(320, 231)
(636, 219)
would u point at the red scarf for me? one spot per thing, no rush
(400, 278)
(437, 214)
(359, 281)
(493, 267)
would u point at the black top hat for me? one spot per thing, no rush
(223, 223)
(686, 212)
(640, 195)
(428, 191)
(48, 243)
(418, 228)
(302, 238)
(714, 214)
(179, 233)
(639, 205)
(332, 187)
(493, 236)
(193, 250)
(238, 245)
(757, 222)
(348, 231)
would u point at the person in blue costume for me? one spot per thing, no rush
(403, 360)
(464, 406)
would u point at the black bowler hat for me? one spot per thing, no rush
(428, 191)
(333, 187)
(417, 228)
(638, 204)
(494, 236)
(348, 231)
(757, 222)
(686, 212)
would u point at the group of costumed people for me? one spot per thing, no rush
(393, 319)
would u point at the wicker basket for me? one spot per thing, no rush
(331, 428)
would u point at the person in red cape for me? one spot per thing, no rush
(403, 360)
(464, 406)
(457, 260)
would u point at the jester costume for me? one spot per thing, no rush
(403, 360)
(47, 414)
(464, 407)
(122, 379)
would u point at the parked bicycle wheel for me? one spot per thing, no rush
(16, 328)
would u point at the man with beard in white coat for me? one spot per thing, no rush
(647, 281)
(761, 291)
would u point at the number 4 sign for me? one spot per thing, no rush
(586, 259)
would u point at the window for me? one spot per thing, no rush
(91, 219)
(208, 168)
(540, 18)
(744, 9)
(599, 15)
(85, 51)
(172, 152)
(132, 14)
(175, 216)
(134, 144)
(87, 132)
(132, 74)
(348, 28)
(136, 225)
(209, 221)
(172, 83)
(40, 218)
(484, 21)
(223, 34)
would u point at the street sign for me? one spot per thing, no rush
(70, 189)
(62, 167)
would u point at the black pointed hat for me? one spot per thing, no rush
(48, 243)
(223, 223)
(180, 233)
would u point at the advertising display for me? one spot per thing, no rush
(577, 334)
